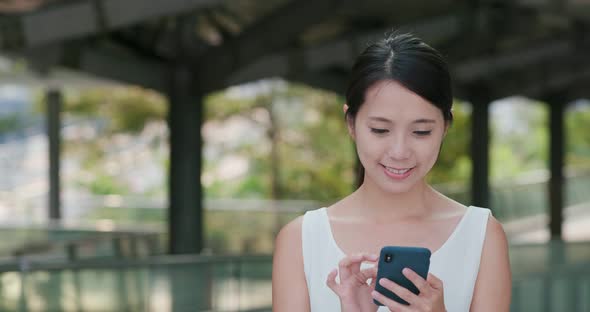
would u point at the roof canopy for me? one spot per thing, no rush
(529, 47)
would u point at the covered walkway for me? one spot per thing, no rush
(186, 49)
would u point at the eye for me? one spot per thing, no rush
(423, 133)
(379, 131)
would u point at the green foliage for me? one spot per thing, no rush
(220, 106)
(577, 121)
(314, 154)
(105, 185)
(128, 109)
(8, 123)
(454, 161)
(519, 138)
(125, 110)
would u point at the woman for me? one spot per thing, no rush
(398, 111)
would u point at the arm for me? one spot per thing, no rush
(493, 287)
(289, 287)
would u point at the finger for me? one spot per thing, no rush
(366, 274)
(434, 281)
(399, 290)
(351, 264)
(369, 258)
(344, 266)
(372, 258)
(416, 279)
(369, 273)
(331, 281)
(358, 258)
(390, 304)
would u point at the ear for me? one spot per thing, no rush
(349, 122)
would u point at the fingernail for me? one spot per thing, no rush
(374, 293)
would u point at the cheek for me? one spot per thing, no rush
(430, 150)
(368, 146)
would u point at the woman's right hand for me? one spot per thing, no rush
(353, 290)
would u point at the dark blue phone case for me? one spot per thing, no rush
(415, 258)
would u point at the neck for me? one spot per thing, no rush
(379, 205)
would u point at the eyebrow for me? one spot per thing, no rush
(421, 120)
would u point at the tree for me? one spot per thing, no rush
(578, 134)
(304, 152)
(119, 111)
(454, 162)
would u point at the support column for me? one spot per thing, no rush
(54, 105)
(556, 162)
(185, 223)
(480, 148)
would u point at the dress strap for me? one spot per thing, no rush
(476, 228)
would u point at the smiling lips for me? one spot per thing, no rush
(398, 174)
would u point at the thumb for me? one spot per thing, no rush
(331, 281)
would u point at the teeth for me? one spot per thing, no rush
(396, 171)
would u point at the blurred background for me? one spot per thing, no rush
(150, 150)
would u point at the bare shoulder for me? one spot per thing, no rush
(289, 287)
(290, 234)
(495, 247)
(495, 235)
(495, 242)
(493, 286)
(288, 245)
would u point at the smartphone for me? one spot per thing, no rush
(392, 260)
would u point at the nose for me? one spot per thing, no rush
(399, 148)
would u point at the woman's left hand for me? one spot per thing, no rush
(430, 299)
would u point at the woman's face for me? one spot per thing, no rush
(398, 136)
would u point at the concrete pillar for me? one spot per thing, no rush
(185, 190)
(54, 106)
(557, 105)
(480, 148)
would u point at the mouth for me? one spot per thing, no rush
(398, 173)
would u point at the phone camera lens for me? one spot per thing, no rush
(388, 258)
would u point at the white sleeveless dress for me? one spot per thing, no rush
(456, 263)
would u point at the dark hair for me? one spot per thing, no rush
(406, 59)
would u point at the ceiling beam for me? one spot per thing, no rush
(123, 67)
(537, 80)
(338, 53)
(76, 19)
(570, 7)
(530, 70)
(487, 66)
(276, 32)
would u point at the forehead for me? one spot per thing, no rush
(389, 98)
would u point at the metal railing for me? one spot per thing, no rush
(57, 242)
(551, 277)
(163, 283)
(546, 277)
